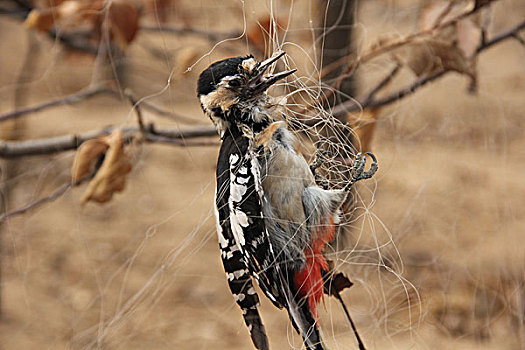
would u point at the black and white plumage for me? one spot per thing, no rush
(254, 241)
(243, 239)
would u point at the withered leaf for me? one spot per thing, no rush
(111, 176)
(124, 22)
(44, 19)
(122, 17)
(466, 32)
(463, 38)
(335, 284)
(86, 157)
(427, 56)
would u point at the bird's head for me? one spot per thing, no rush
(234, 91)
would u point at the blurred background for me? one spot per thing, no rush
(435, 250)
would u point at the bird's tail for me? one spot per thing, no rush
(298, 308)
(256, 328)
(304, 323)
(248, 300)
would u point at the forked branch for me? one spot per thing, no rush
(368, 100)
(85, 94)
(54, 195)
(66, 100)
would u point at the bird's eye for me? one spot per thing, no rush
(234, 83)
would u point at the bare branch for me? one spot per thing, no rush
(12, 149)
(382, 84)
(135, 106)
(364, 102)
(66, 100)
(86, 94)
(511, 33)
(356, 61)
(519, 39)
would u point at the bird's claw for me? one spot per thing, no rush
(358, 172)
(319, 159)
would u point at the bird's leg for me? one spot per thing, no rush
(320, 156)
(334, 284)
(358, 172)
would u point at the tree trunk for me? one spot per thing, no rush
(337, 41)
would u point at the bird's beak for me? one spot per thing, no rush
(260, 83)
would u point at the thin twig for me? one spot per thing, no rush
(54, 195)
(66, 100)
(135, 106)
(511, 33)
(519, 39)
(382, 84)
(405, 91)
(86, 94)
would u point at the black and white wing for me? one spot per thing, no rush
(243, 239)
(239, 277)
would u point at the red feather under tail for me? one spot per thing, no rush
(309, 281)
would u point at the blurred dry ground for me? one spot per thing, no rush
(439, 262)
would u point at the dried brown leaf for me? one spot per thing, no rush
(336, 284)
(453, 47)
(74, 10)
(123, 22)
(427, 56)
(111, 177)
(123, 18)
(86, 157)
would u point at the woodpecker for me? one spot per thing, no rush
(273, 221)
